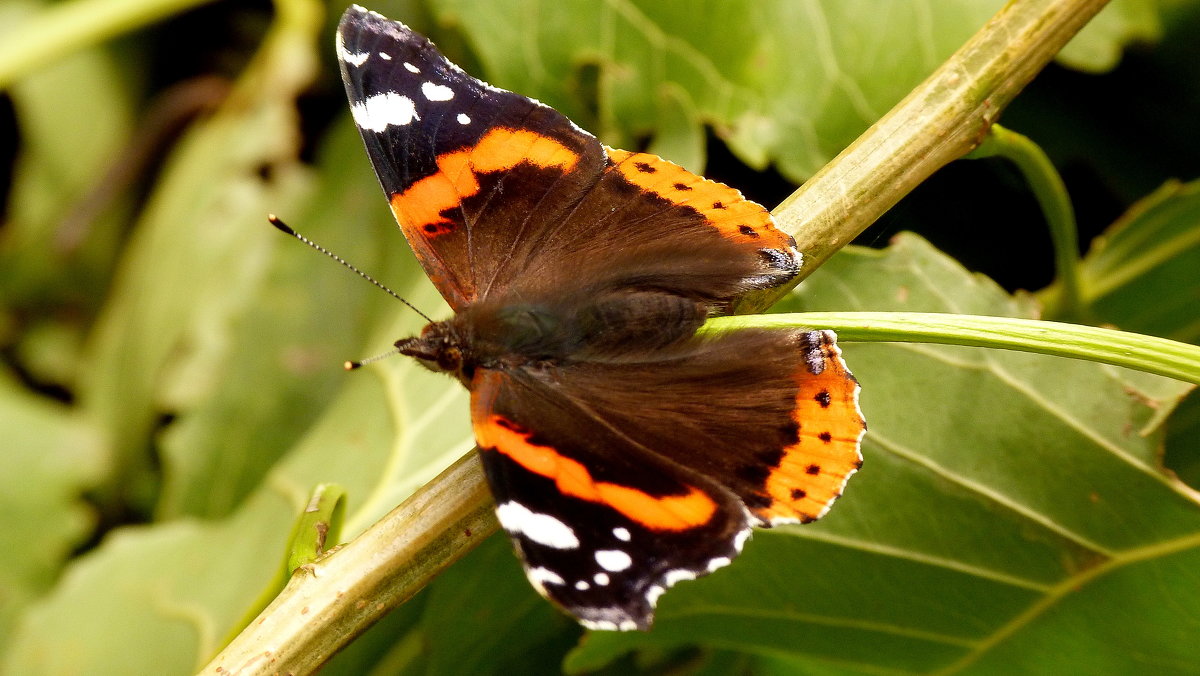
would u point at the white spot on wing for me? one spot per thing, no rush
(622, 534)
(437, 92)
(385, 56)
(740, 539)
(608, 625)
(381, 111)
(463, 118)
(719, 562)
(583, 585)
(653, 593)
(541, 528)
(613, 560)
(601, 579)
(544, 576)
(678, 575)
(353, 58)
(411, 68)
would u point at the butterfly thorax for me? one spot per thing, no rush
(596, 327)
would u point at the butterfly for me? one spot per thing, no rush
(626, 451)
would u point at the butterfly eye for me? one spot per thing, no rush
(449, 359)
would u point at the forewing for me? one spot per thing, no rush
(497, 192)
(468, 168)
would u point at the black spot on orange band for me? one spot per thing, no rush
(723, 207)
(828, 425)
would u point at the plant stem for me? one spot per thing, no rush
(330, 601)
(1108, 346)
(1051, 194)
(944, 118)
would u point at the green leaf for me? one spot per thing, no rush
(182, 586)
(175, 588)
(1183, 429)
(484, 601)
(1152, 252)
(280, 365)
(197, 253)
(64, 27)
(1098, 47)
(57, 244)
(380, 432)
(50, 459)
(782, 82)
(1006, 499)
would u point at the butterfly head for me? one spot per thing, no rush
(438, 348)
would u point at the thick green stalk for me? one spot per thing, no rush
(328, 602)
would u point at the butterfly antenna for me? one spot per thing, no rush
(286, 229)
(351, 365)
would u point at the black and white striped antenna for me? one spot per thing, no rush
(287, 230)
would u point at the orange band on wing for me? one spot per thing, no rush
(420, 207)
(734, 216)
(675, 512)
(813, 471)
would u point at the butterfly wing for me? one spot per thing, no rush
(624, 455)
(615, 481)
(491, 187)
(602, 527)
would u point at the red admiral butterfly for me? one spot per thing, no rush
(625, 453)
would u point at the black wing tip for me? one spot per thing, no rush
(361, 32)
(356, 12)
(359, 16)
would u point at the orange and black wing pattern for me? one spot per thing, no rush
(618, 481)
(492, 188)
(626, 452)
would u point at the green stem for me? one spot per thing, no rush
(1051, 194)
(1119, 348)
(328, 602)
(941, 120)
(69, 26)
(317, 529)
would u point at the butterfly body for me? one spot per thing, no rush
(626, 450)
